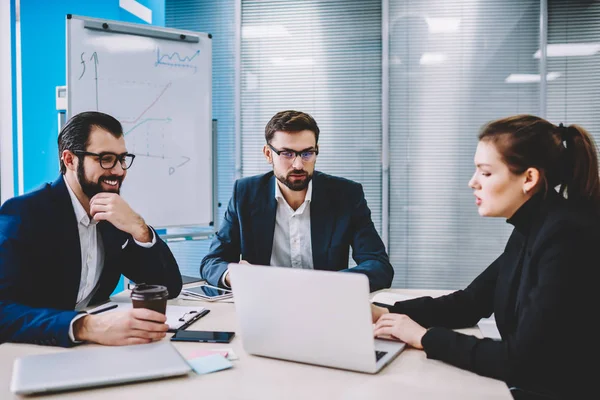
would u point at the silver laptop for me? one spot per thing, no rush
(97, 366)
(313, 317)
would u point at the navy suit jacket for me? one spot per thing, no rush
(40, 265)
(339, 218)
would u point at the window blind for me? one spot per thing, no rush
(450, 64)
(453, 66)
(574, 53)
(323, 58)
(216, 18)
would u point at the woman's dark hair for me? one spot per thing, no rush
(75, 134)
(566, 156)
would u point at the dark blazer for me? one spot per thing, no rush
(40, 265)
(339, 218)
(541, 291)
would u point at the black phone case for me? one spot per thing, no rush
(174, 338)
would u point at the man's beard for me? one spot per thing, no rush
(296, 184)
(90, 189)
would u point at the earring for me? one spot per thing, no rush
(525, 191)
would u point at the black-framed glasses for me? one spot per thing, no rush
(290, 155)
(108, 160)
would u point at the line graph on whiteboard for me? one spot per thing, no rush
(149, 136)
(149, 129)
(174, 59)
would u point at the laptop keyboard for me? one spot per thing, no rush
(379, 354)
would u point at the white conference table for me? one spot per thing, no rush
(410, 376)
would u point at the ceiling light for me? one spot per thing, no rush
(442, 25)
(260, 31)
(570, 50)
(432, 58)
(530, 78)
(293, 62)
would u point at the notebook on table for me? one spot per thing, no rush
(98, 366)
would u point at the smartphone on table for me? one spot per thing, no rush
(202, 336)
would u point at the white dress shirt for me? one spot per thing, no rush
(92, 252)
(292, 246)
(92, 256)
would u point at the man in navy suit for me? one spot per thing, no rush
(295, 216)
(64, 247)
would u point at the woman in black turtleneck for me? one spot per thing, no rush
(544, 179)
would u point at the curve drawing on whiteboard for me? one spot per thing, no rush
(150, 106)
(155, 127)
(145, 125)
(94, 58)
(174, 59)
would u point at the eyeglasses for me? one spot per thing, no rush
(108, 160)
(290, 155)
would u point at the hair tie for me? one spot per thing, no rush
(566, 136)
(564, 132)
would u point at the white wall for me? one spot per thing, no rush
(6, 131)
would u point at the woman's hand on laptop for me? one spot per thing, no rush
(401, 327)
(377, 312)
(135, 326)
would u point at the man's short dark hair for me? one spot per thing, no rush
(291, 121)
(75, 134)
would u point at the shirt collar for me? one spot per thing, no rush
(80, 214)
(307, 198)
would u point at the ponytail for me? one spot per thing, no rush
(566, 156)
(581, 180)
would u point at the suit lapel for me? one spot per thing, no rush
(69, 246)
(263, 219)
(322, 219)
(112, 241)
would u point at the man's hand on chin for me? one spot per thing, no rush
(113, 208)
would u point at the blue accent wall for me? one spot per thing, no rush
(13, 51)
(43, 66)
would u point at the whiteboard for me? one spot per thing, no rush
(158, 83)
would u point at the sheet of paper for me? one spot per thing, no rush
(211, 363)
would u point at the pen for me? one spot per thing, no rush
(104, 309)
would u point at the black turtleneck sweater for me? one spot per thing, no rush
(541, 292)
